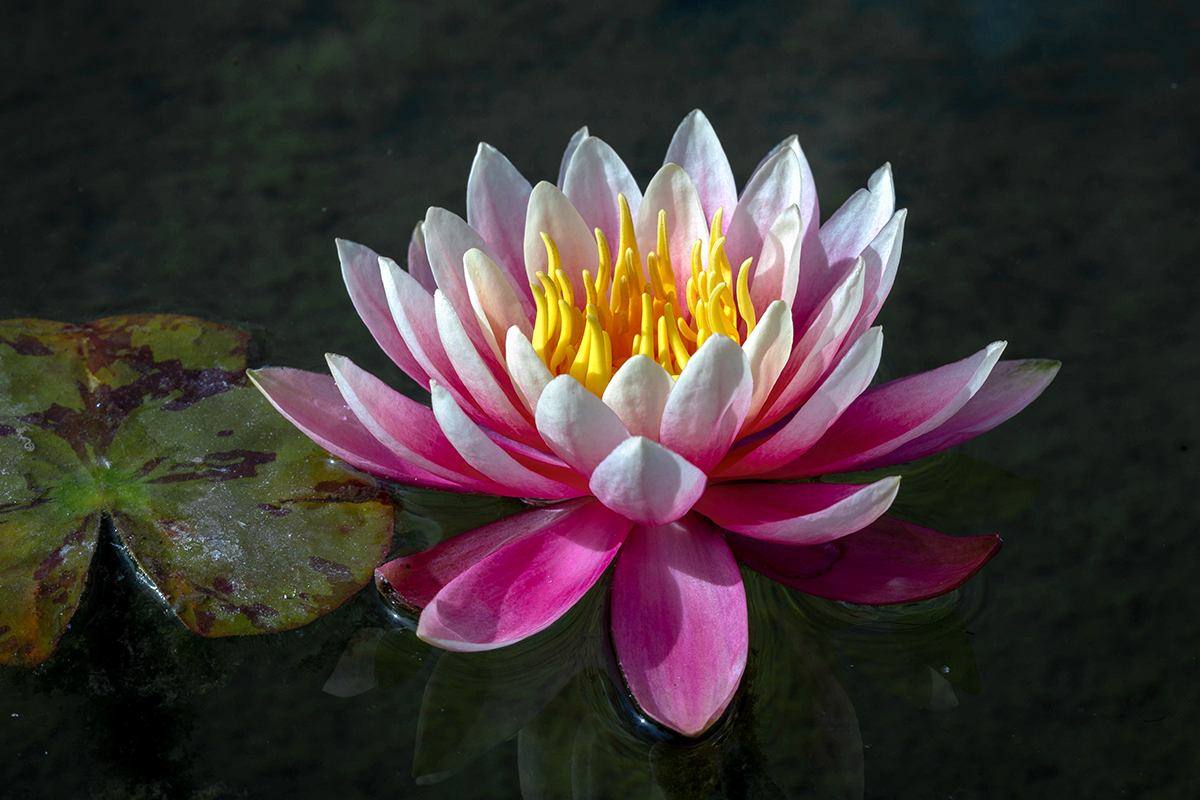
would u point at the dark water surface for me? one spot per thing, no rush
(200, 158)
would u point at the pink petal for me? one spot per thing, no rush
(892, 414)
(882, 258)
(497, 195)
(496, 399)
(576, 424)
(709, 403)
(672, 191)
(638, 393)
(835, 394)
(405, 427)
(448, 238)
(485, 455)
(844, 236)
(550, 212)
(696, 149)
(767, 195)
(524, 586)
(418, 259)
(576, 138)
(645, 482)
(679, 623)
(810, 207)
(413, 311)
(360, 271)
(775, 273)
(313, 404)
(797, 513)
(821, 337)
(887, 562)
(415, 580)
(593, 179)
(1009, 387)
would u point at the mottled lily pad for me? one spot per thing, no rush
(240, 523)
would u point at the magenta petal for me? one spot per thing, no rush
(524, 585)
(1010, 387)
(360, 271)
(890, 415)
(416, 579)
(313, 404)
(679, 622)
(889, 561)
(797, 513)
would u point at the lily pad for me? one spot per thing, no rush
(240, 523)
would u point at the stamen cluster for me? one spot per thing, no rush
(633, 309)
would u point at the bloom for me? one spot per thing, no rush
(655, 366)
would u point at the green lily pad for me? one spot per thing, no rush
(239, 522)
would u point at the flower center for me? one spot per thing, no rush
(631, 308)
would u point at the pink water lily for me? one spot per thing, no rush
(662, 370)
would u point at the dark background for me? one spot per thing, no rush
(200, 158)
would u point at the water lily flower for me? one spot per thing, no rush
(664, 371)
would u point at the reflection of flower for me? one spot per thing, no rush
(720, 343)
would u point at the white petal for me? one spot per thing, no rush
(529, 374)
(577, 425)
(496, 305)
(709, 403)
(593, 179)
(643, 481)
(776, 272)
(550, 212)
(638, 393)
(671, 190)
(768, 348)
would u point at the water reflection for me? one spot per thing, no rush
(791, 731)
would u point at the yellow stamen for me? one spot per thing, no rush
(633, 308)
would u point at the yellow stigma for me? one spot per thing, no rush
(631, 308)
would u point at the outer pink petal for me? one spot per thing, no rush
(360, 271)
(844, 236)
(767, 195)
(887, 562)
(671, 190)
(709, 403)
(413, 310)
(797, 513)
(576, 424)
(775, 274)
(593, 179)
(810, 207)
(487, 456)
(1010, 387)
(550, 212)
(405, 427)
(892, 414)
(418, 259)
(448, 238)
(415, 580)
(645, 482)
(525, 585)
(313, 404)
(679, 623)
(695, 147)
(817, 344)
(497, 195)
(835, 394)
(495, 398)
(572, 145)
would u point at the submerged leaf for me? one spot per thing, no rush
(238, 522)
